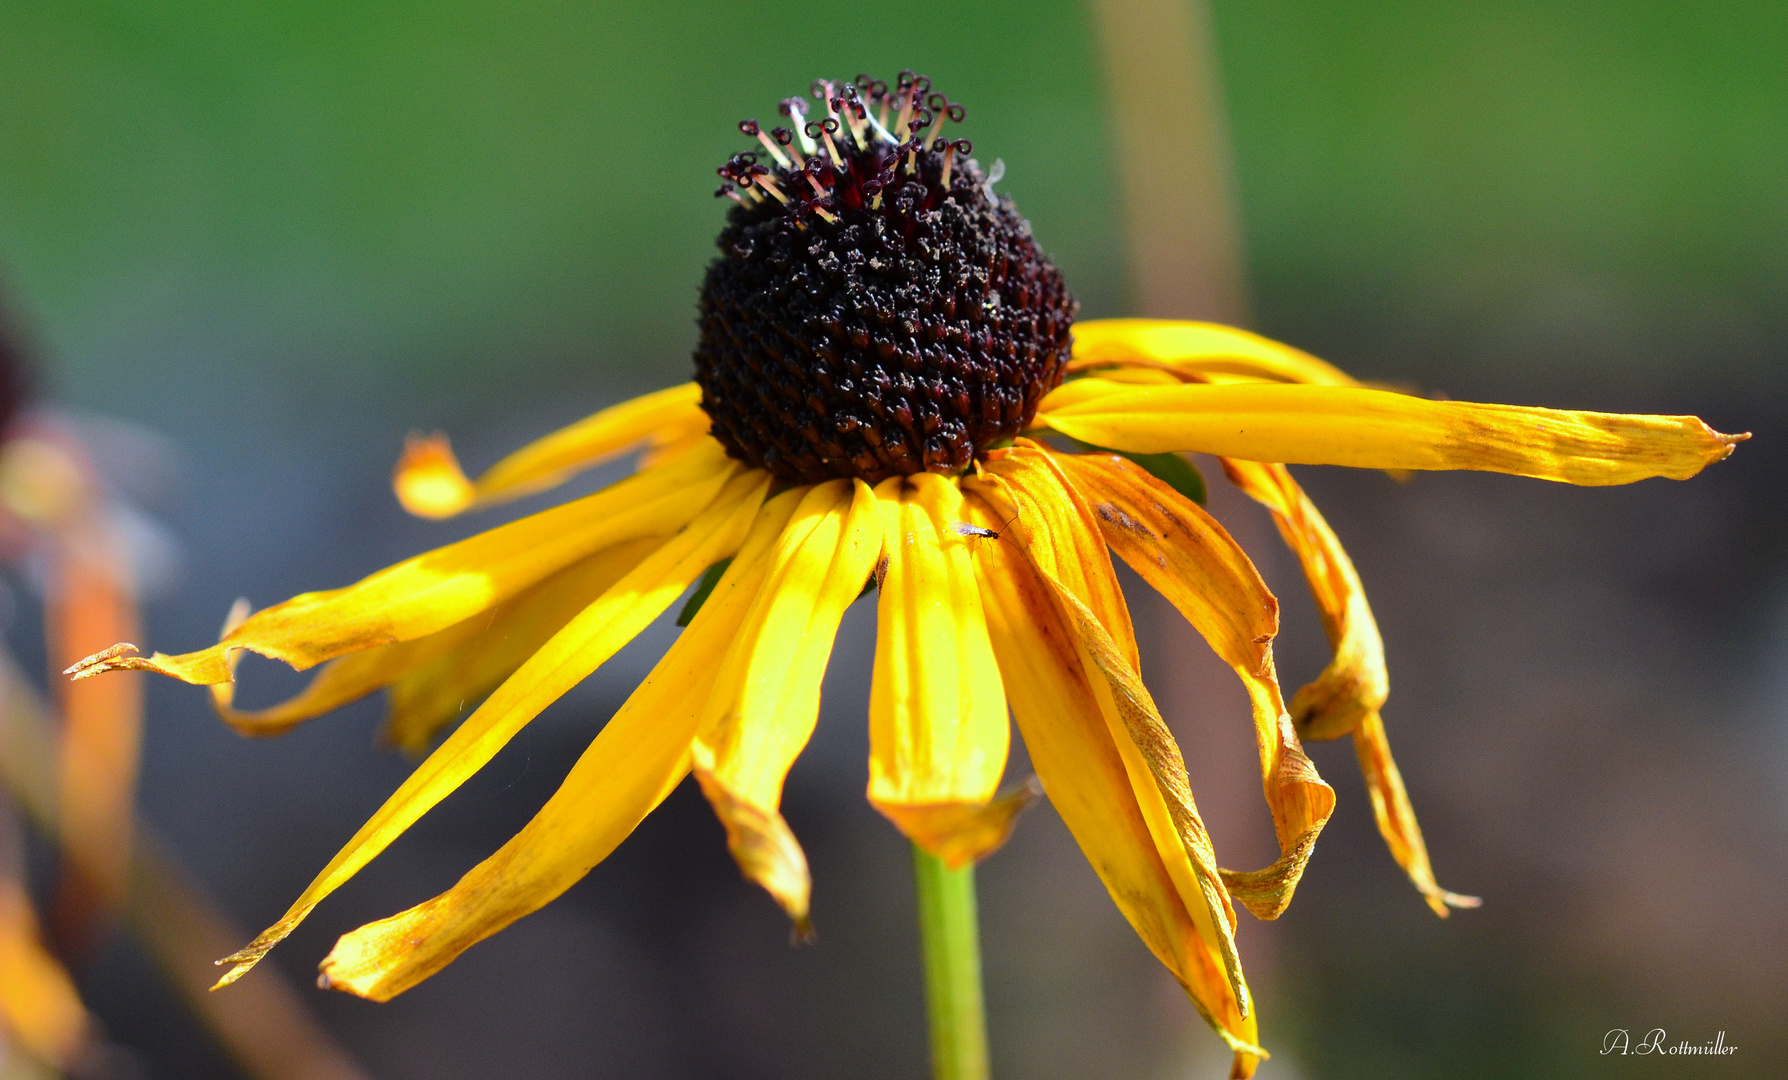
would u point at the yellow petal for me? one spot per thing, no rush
(38, 1003)
(938, 732)
(429, 483)
(1198, 347)
(1086, 761)
(1081, 391)
(596, 634)
(1058, 530)
(767, 695)
(1186, 556)
(439, 588)
(1376, 429)
(1346, 697)
(427, 696)
(1396, 817)
(1355, 682)
(636, 760)
(671, 444)
(344, 679)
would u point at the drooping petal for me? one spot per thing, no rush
(344, 679)
(434, 590)
(1205, 348)
(1189, 558)
(432, 694)
(766, 699)
(429, 482)
(1059, 532)
(1059, 535)
(1376, 429)
(1084, 756)
(1395, 816)
(938, 732)
(1346, 697)
(588, 640)
(637, 759)
(1355, 682)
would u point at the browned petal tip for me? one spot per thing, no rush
(115, 658)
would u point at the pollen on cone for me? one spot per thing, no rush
(428, 480)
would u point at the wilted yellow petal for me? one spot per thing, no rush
(426, 697)
(38, 1003)
(1079, 751)
(1055, 530)
(344, 679)
(588, 640)
(1355, 682)
(1049, 520)
(938, 732)
(1198, 347)
(767, 695)
(1190, 559)
(1396, 817)
(429, 483)
(1346, 697)
(434, 678)
(1058, 531)
(636, 760)
(434, 590)
(1376, 429)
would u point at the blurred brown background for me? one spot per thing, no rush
(277, 235)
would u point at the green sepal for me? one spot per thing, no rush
(703, 587)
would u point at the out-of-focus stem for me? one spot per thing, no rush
(1172, 150)
(260, 1022)
(90, 604)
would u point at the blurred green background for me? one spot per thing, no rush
(368, 195)
(284, 233)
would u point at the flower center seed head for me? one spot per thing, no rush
(876, 310)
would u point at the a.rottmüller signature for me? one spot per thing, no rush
(1620, 1041)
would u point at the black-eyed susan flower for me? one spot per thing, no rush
(887, 385)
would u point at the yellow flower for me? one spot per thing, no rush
(991, 559)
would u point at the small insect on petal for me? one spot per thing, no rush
(963, 528)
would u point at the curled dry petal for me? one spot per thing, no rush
(1346, 697)
(1190, 559)
(1097, 779)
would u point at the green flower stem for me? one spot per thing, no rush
(950, 938)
